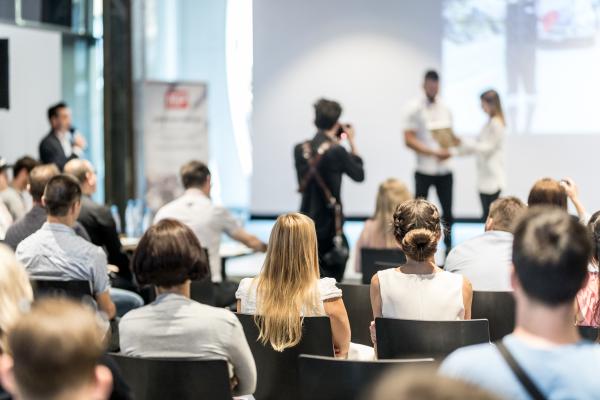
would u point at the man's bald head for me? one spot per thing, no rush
(83, 171)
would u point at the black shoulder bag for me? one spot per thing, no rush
(530, 387)
(338, 255)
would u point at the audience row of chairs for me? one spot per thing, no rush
(316, 374)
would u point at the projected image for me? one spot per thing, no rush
(541, 55)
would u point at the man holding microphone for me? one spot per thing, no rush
(63, 143)
(426, 116)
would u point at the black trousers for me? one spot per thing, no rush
(486, 202)
(443, 186)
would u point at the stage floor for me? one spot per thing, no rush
(250, 265)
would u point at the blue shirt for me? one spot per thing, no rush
(560, 372)
(56, 252)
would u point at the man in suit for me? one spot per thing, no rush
(61, 144)
(98, 221)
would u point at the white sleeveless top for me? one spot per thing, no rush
(247, 293)
(433, 297)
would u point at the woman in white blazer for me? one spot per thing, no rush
(488, 148)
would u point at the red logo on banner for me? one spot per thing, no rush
(176, 99)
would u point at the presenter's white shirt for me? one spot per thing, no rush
(489, 151)
(422, 116)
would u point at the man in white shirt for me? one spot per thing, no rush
(208, 221)
(486, 259)
(433, 169)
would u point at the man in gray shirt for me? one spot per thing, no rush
(56, 252)
(485, 260)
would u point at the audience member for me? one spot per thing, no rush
(548, 191)
(98, 221)
(6, 220)
(20, 182)
(321, 162)
(53, 354)
(551, 252)
(61, 144)
(169, 256)
(15, 292)
(14, 195)
(403, 383)
(419, 289)
(377, 232)
(588, 298)
(35, 218)
(56, 252)
(288, 287)
(486, 259)
(208, 222)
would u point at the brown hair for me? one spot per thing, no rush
(551, 252)
(417, 228)
(492, 99)
(548, 191)
(38, 179)
(422, 383)
(169, 254)
(55, 347)
(24, 163)
(194, 174)
(505, 212)
(62, 191)
(327, 113)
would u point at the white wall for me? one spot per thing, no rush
(35, 83)
(370, 56)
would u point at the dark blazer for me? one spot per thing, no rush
(100, 225)
(51, 151)
(333, 165)
(30, 223)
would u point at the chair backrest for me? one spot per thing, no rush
(327, 378)
(357, 300)
(401, 338)
(498, 308)
(373, 260)
(203, 291)
(78, 290)
(278, 371)
(589, 332)
(181, 379)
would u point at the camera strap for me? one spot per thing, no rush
(313, 161)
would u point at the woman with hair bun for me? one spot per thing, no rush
(419, 290)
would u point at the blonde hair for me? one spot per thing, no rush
(391, 193)
(15, 292)
(287, 285)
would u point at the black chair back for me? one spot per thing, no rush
(401, 338)
(181, 379)
(278, 371)
(498, 308)
(203, 291)
(589, 332)
(78, 290)
(357, 300)
(373, 260)
(327, 378)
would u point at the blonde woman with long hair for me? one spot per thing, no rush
(289, 287)
(378, 232)
(15, 292)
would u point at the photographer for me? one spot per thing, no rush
(320, 164)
